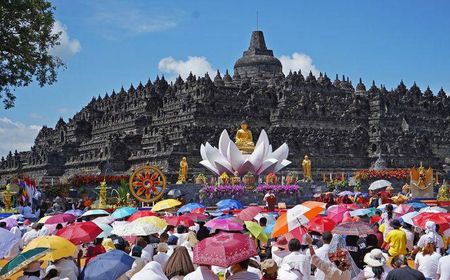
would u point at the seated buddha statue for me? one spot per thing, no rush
(244, 139)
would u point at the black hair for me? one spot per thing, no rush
(98, 241)
(34, 273)
(372, 240)
(181, 229)
(2, 225)
(398, 261)
(389, 211)
(294, 245)
(59, 226)
(263, 221)
(378, 271)
(51, 274)
(326, 237)
(244, 264)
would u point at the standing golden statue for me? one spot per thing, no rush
(306, 164)
(443, 192)
(244, 139)
(182, 174)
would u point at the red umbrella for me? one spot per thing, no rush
(441, 219)
(353, 228)
(196, 216)
(224, 224)
(321, 224)
(224, 249)
(336, 212)
(403, 209)
(60, 219)
(249, 213)
(179, 220)
(80, 233)
(198, 211)
(140, 214)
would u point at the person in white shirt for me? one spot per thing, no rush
(431, 233)
(32, 272)
(239, 272)
(27, 212)
(427, 261)
(161, 257)
(296, 261)
(279, 250)
(409, 236)
(15, 250)
(443, 270)
(67, 268)
(376, 266)
(32, 234)
(322, 253)
(203, 272)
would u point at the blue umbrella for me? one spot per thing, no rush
(107, 266)
(345, 193)
(75, 212)
(190, 207)
(123, 212)
(229, 204)
(363, 212)
(417, 205)
(269, 228)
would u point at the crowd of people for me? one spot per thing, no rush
(395, 250)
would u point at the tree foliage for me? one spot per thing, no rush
(26, 39)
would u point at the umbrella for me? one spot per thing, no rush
(379, 184)
(43, 219)
(344, 193)
(196, 216)
(407, 218)
(299, 215)
(229, 204)
(75, 212)
(224, 224)
(440, 219)
(403, 209)
(179, 220)
(95, 212)
(321, 224)
(80, 233)
(7, 241)
(175, 193)
(155, 221)
(107, 266)
(60, 219)
(21, 261)
(336, 212)
(257, 231)
(224, 249)
(433, 209)
(417, 205)
(270, 217)
(60, 246)
(104, 220)
(249, 213)
(135, 229)
(382, 207)
(123, 212)
(165, 204)
(190, 207)
(106, 230)
(10, 222)
(140, 214)
(353, 228)
(363, 212)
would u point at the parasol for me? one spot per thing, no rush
(110, 265)
(165, 204)
(321, 224)
(140, 214)
(403, 209)
(229, 204)
(21, 261)
(257, 231)
(249, 213)
(123, 212)
(60, 219)
(379, 184)
(80, 233)
(95, 212)
(190, 207)
(224, 224)
(61, 247)
(179, 220)
(353, 228)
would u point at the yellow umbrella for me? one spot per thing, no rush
(44, 219)
(61, 247)
(152, 220)
(165, 204)
(257, 231)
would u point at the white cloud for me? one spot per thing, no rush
(198, 65)
(16, 136)
(67, 46)
(36, 116)
(298, 61)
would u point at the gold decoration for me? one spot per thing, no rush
(235, 180)
(102, 195)
(421, 178)
(271, 179)
(244, 139)
(224, 179)
(7, 199)
(443, 192)
(147, 183)
(182, 174)
(306, 164)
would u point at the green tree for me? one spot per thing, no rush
(25, 41)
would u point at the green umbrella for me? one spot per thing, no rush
(21, 261)
(257, 231)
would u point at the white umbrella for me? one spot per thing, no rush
(7, 241)
(433, 209)
(407, 218)
(107, 229)
(104, 220)
(379, 184)
(95, 212)
(135, 229)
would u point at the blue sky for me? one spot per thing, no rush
(108, 44)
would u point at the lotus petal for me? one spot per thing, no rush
(213, 154)
(247, 166)
(283, 164)
(234, 156)
(223, 142)
(208, 165)
(224, 167)
(203, 152)
(264, 140)
(268, 165)
(280, 154)
(257, 157)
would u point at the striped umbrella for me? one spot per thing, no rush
(21, 261)
(353, 228)
(297, 216)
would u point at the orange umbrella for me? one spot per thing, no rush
(297, 216)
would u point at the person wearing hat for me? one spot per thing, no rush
(161, 257)
(51, 273)
(427, 261)
(396, 239)
(32, 272)
(269, 270)
(376, 266)
(431, 232)
(279, 250)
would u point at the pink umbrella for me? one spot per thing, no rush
(224, 249)
(10, 222)
(336, 212)
(60, 219)
(353, 228)
(249, 213)
(403, 209)
(224, 224)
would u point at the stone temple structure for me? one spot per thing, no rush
(341, 127)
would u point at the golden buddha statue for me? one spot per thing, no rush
(443, 192)
(306, 164)
(244, 139)
(182, 174)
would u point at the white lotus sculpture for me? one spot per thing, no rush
(228, 158)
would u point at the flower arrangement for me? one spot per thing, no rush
(367, 174)
(278, 189)
(95, 180)
(238, 190)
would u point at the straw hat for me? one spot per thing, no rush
(162, 247)
(375, 258)
(269, 266)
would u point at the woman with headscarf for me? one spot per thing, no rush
(179, 264)
(338, 244)
(151, 271)
(430, 233)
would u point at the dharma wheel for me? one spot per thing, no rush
(147, 183)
